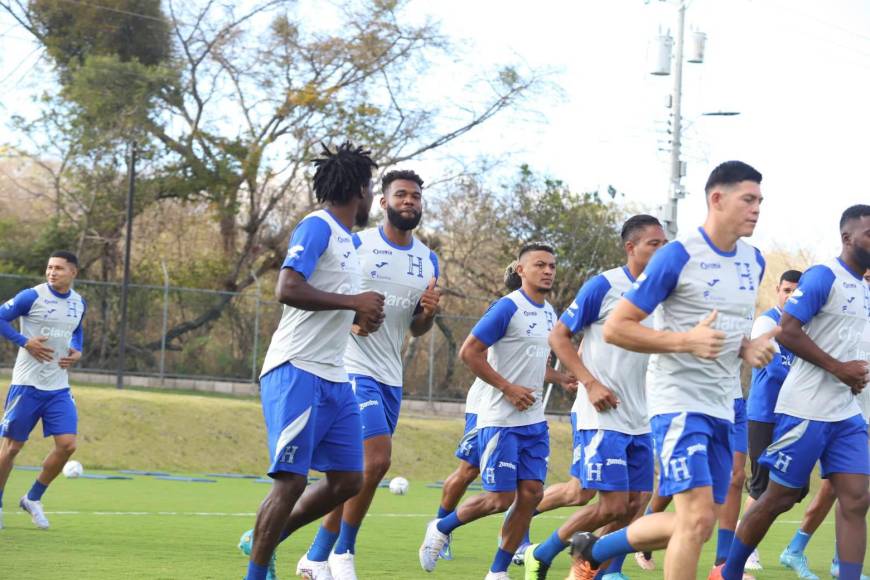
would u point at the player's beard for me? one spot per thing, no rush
(402, 223)
(863, 257)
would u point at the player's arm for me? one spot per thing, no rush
(564, 380)
(424, 317)
(75, 344)
(777, 369)
(9, 312)
(804, 303)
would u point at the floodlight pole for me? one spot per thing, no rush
(675, 190)
(125, 285)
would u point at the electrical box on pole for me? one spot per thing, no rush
(662, 47)
(697, 42)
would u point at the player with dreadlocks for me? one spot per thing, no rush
(312, 417)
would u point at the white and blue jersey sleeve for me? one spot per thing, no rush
(307, 243)
(659, 278)
(494, 324)
(767, 381)
(12, 310)
(586, 307)
(833, 305)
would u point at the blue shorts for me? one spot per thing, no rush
(739, 432)
(467, 449)
(839, 447)
(694, 451)
(26, 405)
(512, 454)
(378, 405)
(576, 469)
(311, 423)
(614, 461)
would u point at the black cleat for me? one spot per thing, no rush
(581, 548)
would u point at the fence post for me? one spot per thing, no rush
(256, 330)
(165, 321)
(431, 362)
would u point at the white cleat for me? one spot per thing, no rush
(310, 570)
(497, 576)
(753, 562)
(341, 566)
(37, 514)
(433, 542)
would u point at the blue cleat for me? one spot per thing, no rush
(614, 576)
(520, 555)
(798, 563)
(246, 542)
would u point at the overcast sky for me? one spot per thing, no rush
(798, 71)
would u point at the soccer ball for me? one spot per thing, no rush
(399, 486)
(73, 469)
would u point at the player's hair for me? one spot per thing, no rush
(341, 174)
(636, 223)
(855, 212)
(535, 247)
(512, 280)
(731, 173)
(68, 256)
(793, 276)
(397, 174)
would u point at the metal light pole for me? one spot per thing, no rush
(675, 190)
(125, 286)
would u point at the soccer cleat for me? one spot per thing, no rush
(614, 576)
(643, 562)
(716, 572)
(341, 566)
(797, 561)
(246, 543)
(535, 569)
(447, 552)
(497, 576)
(520, 554)
(311, 570)
(433, 543)
(754, 561)
(583, 565)
(37, 514)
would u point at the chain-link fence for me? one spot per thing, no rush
(205, 334)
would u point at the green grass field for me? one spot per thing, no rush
(152, 529)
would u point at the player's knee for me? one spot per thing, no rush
(500, 501)
(467, 473)
(855, 504)
(346, 486)
(614, 510)
(531, 495)
(10, 448)
(67, 447)
(699, 524)
(738, 478)
(377, 467)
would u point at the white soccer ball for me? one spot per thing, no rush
(399, 486)
(73, 469)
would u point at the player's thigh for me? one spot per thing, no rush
(847, 448)
(694, 451)
(533, 454)
(372, 407)
(498, 458)
(22, 410)
(467, 450)
(760, 436)
(641, 462)
(60, 414)
(289, 400)
(605, 460)
(797, 445)
(338, 436)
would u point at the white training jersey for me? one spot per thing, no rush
(690, 278)
(472, 400)
(864, 353)
(321, 250)
(401, 274)
(833, 304)
(516, 330)
(620, 370)
(44, 312)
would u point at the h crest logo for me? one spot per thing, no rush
(593, 471)
(490, 475)
(72, 309)
(679, 469)
(782, 461)
(415, 266)
(289, 454)
(744, 276)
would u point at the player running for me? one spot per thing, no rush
(817, 414)
(706, 284)
(612, 433)
(312, 417)
(507, 349)
(50, 343)
(404, 270)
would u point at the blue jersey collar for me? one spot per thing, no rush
(628, 274)
(848, 269)
(532, 302)
(59, 294)
(338, 221)
(391, 244)
(713, 247)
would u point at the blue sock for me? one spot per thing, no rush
(799, 542)
(501, 561)
(612, 545)
(850, 570)
(442, 513)
(1, 498)
(256, 572)
(723, 545)
(346, 539)
(548, 551)
(449, 523)
(35, 493)
(736, 560)
(615, 566)
(322, 545)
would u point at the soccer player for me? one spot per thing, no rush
(706, 284)
(507, 349)
(50, 343)
(404, 270)
(312, 417)
(817, 414)
(612, 431)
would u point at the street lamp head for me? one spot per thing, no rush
(721, 114)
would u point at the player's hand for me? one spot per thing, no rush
(429, 299)
(369, 307)
(70, 359)
(759, 351)
(38, 350)
(704, 341)
(853, 373)
(520, 397)
(602, 398)
(568, 382)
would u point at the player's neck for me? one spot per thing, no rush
(852, 264)
(345, 214)
(721, 237)
(534, 294)
(397, 236)
(635, 268)
(59, 289)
